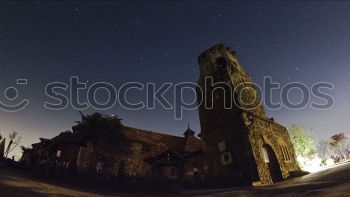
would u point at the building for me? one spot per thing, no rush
(238, 144)
(242, 145)
(149, 154)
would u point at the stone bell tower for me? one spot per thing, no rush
(226, 91)
(234, 125)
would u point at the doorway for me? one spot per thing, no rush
(272, 162)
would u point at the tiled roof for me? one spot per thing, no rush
(178, 144)
(157, 142)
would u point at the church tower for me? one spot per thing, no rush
(242, 145)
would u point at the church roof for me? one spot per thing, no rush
(189, 132)
(178, 144)
(156, 143)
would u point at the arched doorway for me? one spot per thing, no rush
(272, 162)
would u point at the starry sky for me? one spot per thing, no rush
(159, 42)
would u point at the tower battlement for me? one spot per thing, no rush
(215, 50)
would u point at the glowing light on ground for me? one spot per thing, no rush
(314, 165)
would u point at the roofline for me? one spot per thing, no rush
(142, 130)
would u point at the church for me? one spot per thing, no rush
(237, 145)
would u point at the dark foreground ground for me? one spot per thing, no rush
(328, 183)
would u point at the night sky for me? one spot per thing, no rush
(159, 42)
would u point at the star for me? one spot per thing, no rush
(218, 15)
(178, 26)
(116, 4)
(137, 22)
(140, 59)
(258, 15)
(76, 10)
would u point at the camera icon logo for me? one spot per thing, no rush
(11, 94)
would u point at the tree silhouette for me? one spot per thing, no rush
(341, 145)
(15, 141)
(104, 131)
(324, 149)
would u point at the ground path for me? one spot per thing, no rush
(334, 182)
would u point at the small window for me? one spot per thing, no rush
(288, 155)
(226, 158)
(172, 172)
(265, 155)
(221, 62)
(58, 154)
(282, 151)
(222, 146)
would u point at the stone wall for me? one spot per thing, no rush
(131, 161)
(135, 164)
(266, 132)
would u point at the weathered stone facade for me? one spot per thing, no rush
(242, 145)
(148, 154)
(132, 162)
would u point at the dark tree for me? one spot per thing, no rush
(104, 131)
(340, 143)
(15, 141)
